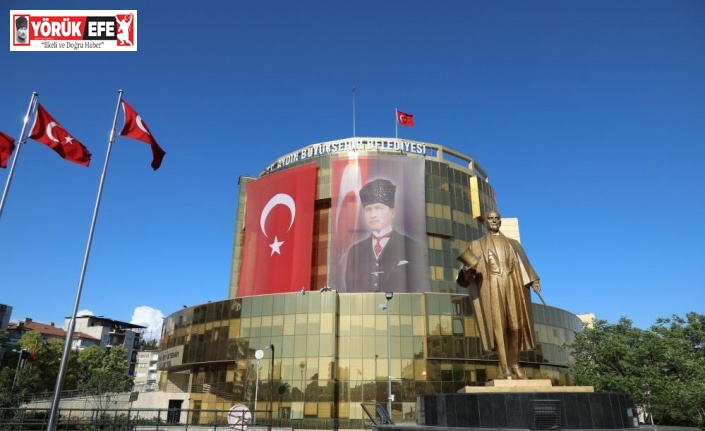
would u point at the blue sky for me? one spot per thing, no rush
(587, 115)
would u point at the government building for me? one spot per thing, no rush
(336, 316)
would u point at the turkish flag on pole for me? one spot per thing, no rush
(135, 128)
(7, 146)
(49, 132)
(405, 119)
(276, 256)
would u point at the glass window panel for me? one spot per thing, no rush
(380, 326)
(446, 327)
(325, 367)
(234, 331)
(369, 324)
(287, 368)
(368, 347)
(434, 325)
(301, 324)
(287, 347)
(278, 307)
(356, 324)
(432, 306)
(368, 369)
(380, 347)
(299, 345)
(344, 305)
(356, 350)
(445, 305)
(356, 306)
(256, 305)
(419, 327)
(277, 325)
(343, 347)
(344, 326)
(312, 343)
(314, 323)
(289, 324)
(416, 304)
(327, 325)
(327, 346)
(406, 327)
(407, 347)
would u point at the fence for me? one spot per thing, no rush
(36, 419)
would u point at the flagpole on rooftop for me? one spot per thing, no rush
(353, 100)
(396, 123)
(51, 426)
(20, 141)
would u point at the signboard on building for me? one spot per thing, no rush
(170, 357)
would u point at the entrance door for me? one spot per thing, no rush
(174, 414)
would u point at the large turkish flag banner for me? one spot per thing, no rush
(276, 257)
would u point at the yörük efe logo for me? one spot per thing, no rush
(73, 30)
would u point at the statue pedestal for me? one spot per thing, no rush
(525, 404)
(515, 386)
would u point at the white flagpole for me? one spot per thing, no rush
(396, 123)
(21, 140)
(353, 100)
(51, 426)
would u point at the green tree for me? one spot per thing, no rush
(18, 379)
(4, 338)
(103, 374)
(47, 360)
(663, 367)
(149, 344)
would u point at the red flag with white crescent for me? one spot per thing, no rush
(7, 146)
(135, 128)
(49, 132)
(276, 257)
(405, 119)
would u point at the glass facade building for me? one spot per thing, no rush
(330, 345)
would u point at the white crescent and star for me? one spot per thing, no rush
(278, 199)
(49, 130)
(50, 133)
(141, 125)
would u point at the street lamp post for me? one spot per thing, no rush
(302, 365)
(22, 353)
(258, 355)
(271, 390)
(390, 398)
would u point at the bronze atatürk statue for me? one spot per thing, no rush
(497, 274)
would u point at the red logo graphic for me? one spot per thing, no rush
(73, 30)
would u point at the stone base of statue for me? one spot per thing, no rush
(513, 386)
(522, 404)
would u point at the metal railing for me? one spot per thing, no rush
(36, 419)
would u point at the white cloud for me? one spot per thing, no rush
(85, 312)
(151, 318)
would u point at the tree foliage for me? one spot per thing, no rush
(94, 371)
(47, 360)
(4, 338)
(149, 344)
(663, 367)
(103, 374)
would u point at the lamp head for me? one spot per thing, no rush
(389, 295)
